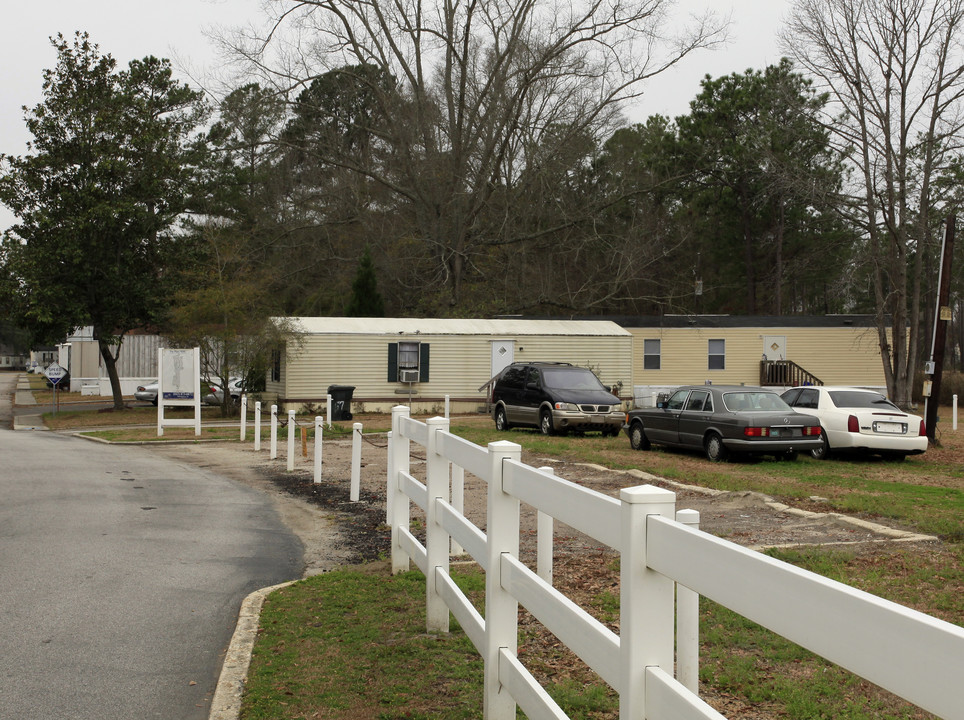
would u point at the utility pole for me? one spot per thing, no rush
(942, 316)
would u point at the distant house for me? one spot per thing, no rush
(11, 359)
(419, 361)
(136, 364)
(777, 351)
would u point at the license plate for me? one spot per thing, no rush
(781, 432)
(892, 428)
(595, 419)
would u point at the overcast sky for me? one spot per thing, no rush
(174, 29)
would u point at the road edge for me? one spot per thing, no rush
(226, 703)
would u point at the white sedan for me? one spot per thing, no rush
(859, 420)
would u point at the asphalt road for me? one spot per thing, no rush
(121, 575)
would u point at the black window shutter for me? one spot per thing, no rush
(423, 362)
(392, 362)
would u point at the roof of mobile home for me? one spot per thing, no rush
(451, 326)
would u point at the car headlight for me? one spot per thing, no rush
(569, 407)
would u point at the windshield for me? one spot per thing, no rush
(571, 379)
(858, 399)
(754, 402)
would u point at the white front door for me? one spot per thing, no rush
(503, 354)
(775, 347)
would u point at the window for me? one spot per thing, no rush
(651, 354)
(717, 355)
(698, 400)
(676, 402)
(276, 365)
(408, 362)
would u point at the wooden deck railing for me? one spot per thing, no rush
(785, 372)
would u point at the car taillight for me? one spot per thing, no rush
(852, 424)
(756, 432)
(812, 430)
(923, 429)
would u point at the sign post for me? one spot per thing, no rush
(55, 373)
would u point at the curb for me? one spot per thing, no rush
(226, 703)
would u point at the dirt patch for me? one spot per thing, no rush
(338, 532)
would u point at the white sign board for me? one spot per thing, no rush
(55, 373)
(178, 384)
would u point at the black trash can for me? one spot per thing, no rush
(341, 401)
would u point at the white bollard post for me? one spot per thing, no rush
(688, 621)
(244, 416)
(291, 440)
(544, 538)
(328, 409)
(398, 506)
(257, 425)
(458, 500)
(356, 441)
(319, 423)
(274, 432)
(437, 539)
(446, 406)
(954, 415)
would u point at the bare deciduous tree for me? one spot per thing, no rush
(482, 92)
(894, 68)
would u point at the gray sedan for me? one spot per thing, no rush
(720, 420)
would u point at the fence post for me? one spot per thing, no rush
(274, 432)
(501, 608)
(291, 441)
(954, 415)
(688, 621)
(257, 425)
(436, 537)
(544, 537)
(328, 409)
(447, 406)
(356, 441)
(399, 509)
(318, 447)
(646, 600)
(244, 416)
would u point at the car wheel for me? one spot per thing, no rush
(637, 438)
(715, 449)
(154, 401)
(545, 423)
(501, 422)
(822, 452)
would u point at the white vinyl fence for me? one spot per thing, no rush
(915, 656)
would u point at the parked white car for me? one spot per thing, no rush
(859, 420)
(215, 394)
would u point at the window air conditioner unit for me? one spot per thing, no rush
(408, 376)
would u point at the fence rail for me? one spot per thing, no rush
(665, 563)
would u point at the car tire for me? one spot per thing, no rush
(637, 437)
(715, 449)
(822, 452)
(545, 423)
(501, 421)
(154, 401)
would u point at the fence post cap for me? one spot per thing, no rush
(646, 494)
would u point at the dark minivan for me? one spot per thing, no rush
(555, 397)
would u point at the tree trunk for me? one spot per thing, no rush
(110, 364)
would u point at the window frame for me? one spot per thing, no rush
(719, 357)
(649, 356)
